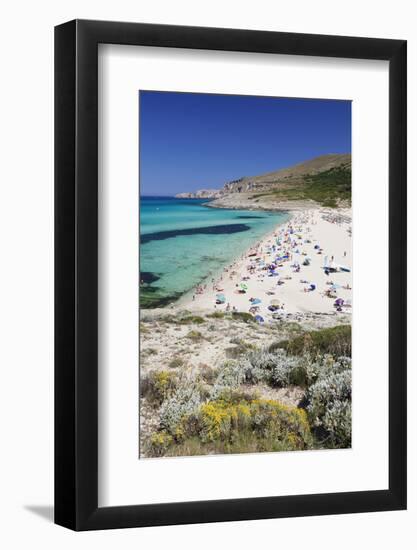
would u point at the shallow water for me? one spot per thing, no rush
(184, 242)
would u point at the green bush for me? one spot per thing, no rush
(298, 376)
(336, 341)
(182, 318)
(191, 319)
(243, 316)
(216, 315)
(328, 188)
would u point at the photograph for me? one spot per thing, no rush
(245, 287)
(208, 335)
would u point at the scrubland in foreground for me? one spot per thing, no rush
(221, 383)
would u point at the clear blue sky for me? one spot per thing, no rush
(197, 141)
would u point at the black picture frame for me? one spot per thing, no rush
(76, 272)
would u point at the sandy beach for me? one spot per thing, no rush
(284, 272)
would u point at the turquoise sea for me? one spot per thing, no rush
(182, 242)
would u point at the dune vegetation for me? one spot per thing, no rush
(285, 389)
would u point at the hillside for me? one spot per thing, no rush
(325, 180)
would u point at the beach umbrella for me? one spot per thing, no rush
(312, 286)
(220, 298)
(243, 286)
(339, 302)
(256, 301)
(274, 302)
(259, 318)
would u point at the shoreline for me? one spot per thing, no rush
(186, 298)
(292, 293)
(289, 206)
(173, 302)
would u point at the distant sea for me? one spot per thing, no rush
(184, 242)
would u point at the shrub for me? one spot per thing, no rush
(306, 371)
(159, 443)
(195, 335)
(150, 351)
(243, 316)
(176, 362)
(291, 327)
(229, 376)
(258, 366)
(216, 419)
(298, 376)
(167, 318)
(273, 368)
(158, 386)
(241, 347)
(235, 396)
(216, 315)
(208, 374)
(329, 407)
(336, 341)
(182, 403)
(281, 374)
(277, 421)
(265, 424)
(338, 422)
(191, 319)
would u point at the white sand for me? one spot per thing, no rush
(334, 240)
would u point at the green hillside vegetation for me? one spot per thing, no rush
(328, 188)
(336, 341)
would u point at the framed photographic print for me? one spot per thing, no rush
(230, 275)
